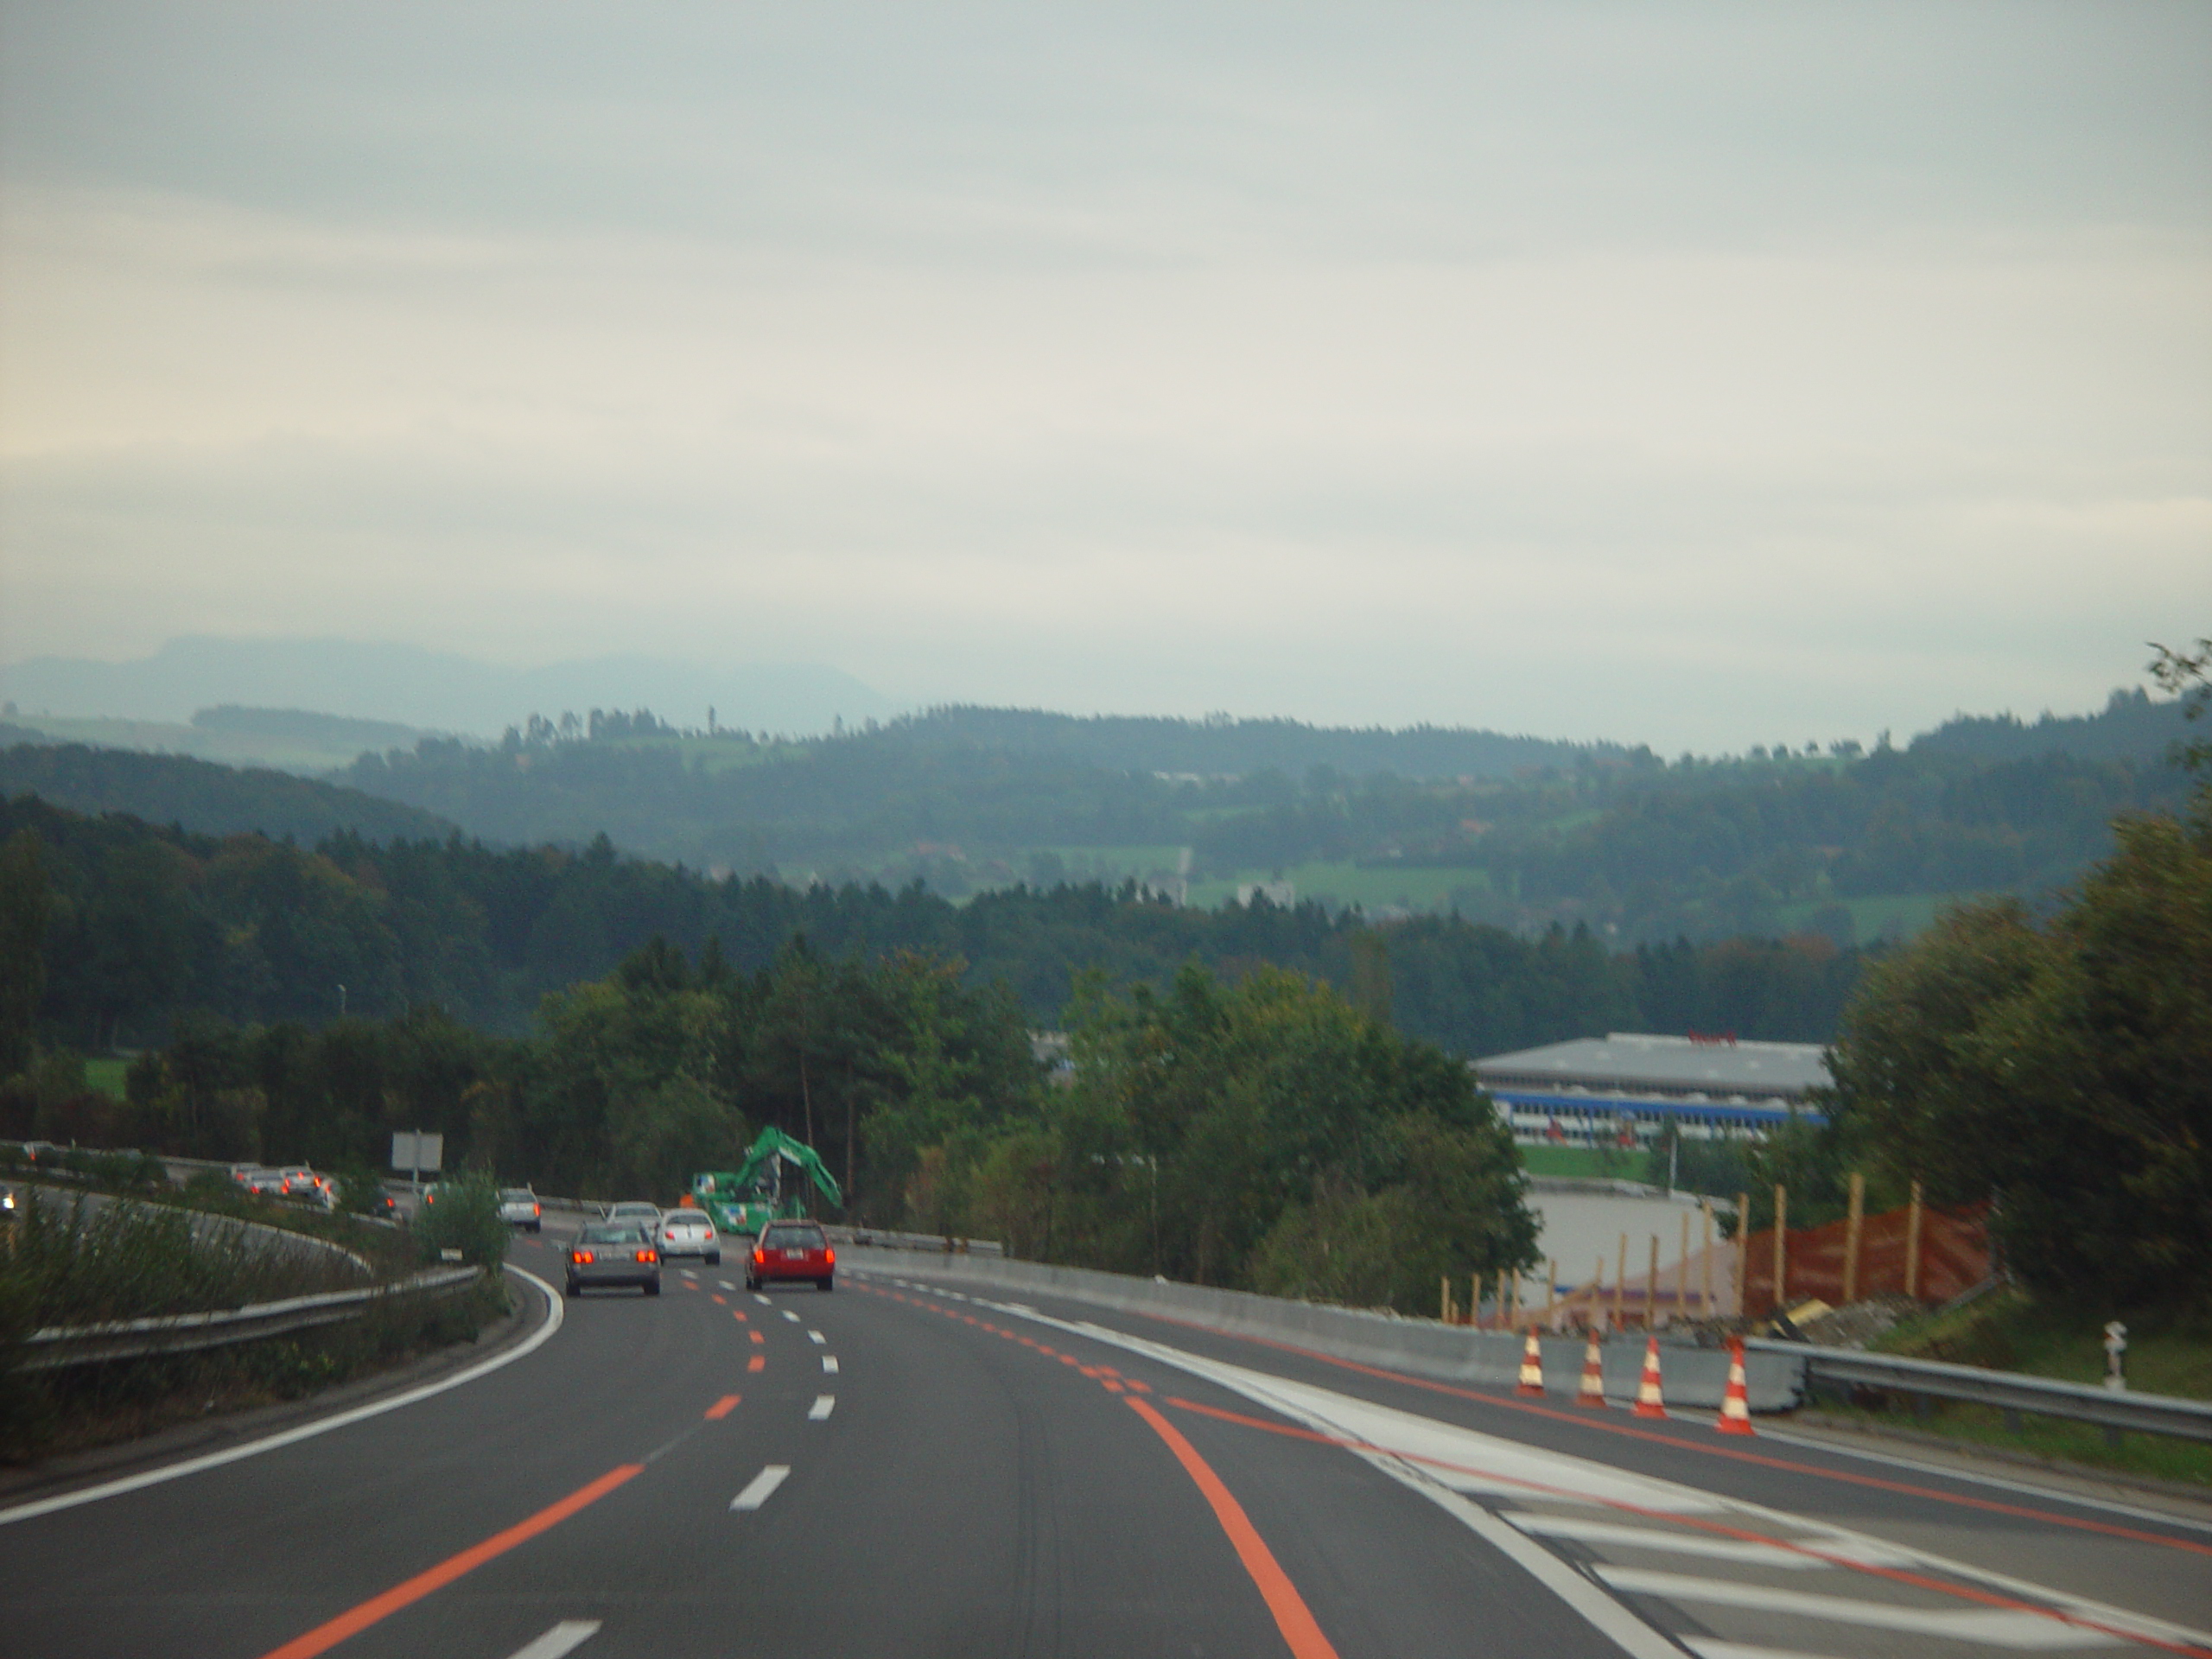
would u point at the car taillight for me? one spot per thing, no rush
(580, 1258)
(829, 1256)
(535, 1211)
(647, 1256)
(759, 1255)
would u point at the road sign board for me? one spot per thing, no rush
(417, 1150)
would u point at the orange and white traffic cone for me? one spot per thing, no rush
(1592, 1392)
(1736, 1404)
(1649, 1402)
(1532, 1366)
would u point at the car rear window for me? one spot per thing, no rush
(605, 1233)
(516, 1195)
(793, 1238)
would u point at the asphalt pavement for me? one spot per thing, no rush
(903, 1467)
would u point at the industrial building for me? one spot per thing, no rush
(1604, 1091)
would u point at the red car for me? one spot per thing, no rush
(791, 1249)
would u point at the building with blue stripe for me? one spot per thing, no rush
(1603, 1090)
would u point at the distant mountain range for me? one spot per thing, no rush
(437, 691)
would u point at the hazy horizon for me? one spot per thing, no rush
(1688, 375)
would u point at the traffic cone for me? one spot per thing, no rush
(1532, 1366)
(1736, 1404)
(1647, 1400)
(1592, 1392)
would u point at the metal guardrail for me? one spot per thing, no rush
(925, 1244)
(2010, 1391)
(60, 1345)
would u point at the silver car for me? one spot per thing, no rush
(690, 1232)
(614, 1253)
(518, 1207)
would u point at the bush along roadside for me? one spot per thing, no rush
(74, 1259)
(48, 1413)
(463, 1215)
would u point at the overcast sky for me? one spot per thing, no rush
(1701, 375)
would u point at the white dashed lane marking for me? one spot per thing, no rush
(725, 1284)
(829, 1363)
(762, 1487)
(823, 1405)
(816, 1336)
(564, 1638)
(758, 1298)
(792, 1317)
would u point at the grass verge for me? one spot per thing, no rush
(2167, 1353)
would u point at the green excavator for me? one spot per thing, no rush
(749, 1197)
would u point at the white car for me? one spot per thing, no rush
(690, 1232)
(634, 1213)
(518, 1206)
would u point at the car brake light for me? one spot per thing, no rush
(581, 1256)
(535, 1211)
(647, 1256)
(759, 1255)
(830, 1257)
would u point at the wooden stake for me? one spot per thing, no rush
(1705, 1308)
(1912, 1245)
(1474, 1298)
(1780, 1247)
(1551, 1285)
(1682, 1272)
(1651, 1287)
(1853, 1233)
(1444, 1300)
(1620, 1283)
(1597, 1294)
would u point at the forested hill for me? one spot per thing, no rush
(2130, 726)
(144, 923)
(1853, 844)
(215, 800)
(1222, 747)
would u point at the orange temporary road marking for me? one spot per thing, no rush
(721, 1408)
(737, 1314)
(1702, 1447)
(720, 1299)
(756, 1336)
(1292, 1615)
(324, 1638)
(1781, 1546)
(756, 1363)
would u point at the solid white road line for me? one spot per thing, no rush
(823, 1405)
(829, 1363)
(816, 1336)
(1998, 1627)
(564, 1638)
(1701, 1545)
(1707, 1649)
(529, 1344)
(762, 1487)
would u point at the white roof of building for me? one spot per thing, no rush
(1625, 1060)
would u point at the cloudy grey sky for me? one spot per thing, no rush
(1695, 374)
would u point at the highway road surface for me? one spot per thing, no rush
(906, 1467)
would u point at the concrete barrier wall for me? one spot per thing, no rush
(1694, 1376)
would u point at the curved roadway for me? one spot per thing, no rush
(902, 1468)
